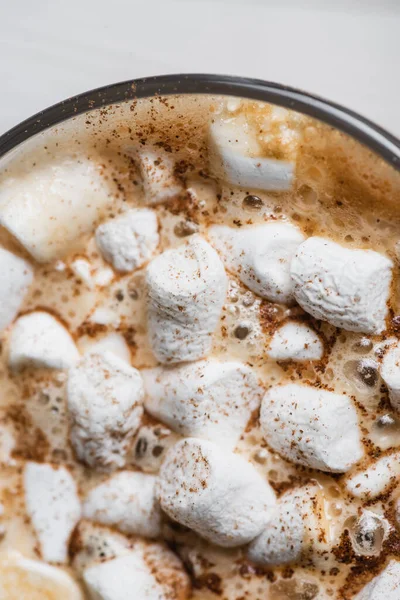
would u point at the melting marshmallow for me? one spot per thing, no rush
(25, 579)
(235, 157)
(298, 525)
(218, 494)
(296, 341)
(39, 340)
(53, 505)
(385, 586)
(111, 342)
(115, 568)
(159, 181)
(260, 256)
(348, 288)
(311, 427)
(376, 479)
(105, 402)
(128, 502)
(130, 240)
(208, 399)
(186, 289)
(390, 373)
(16, 276)
(54, 205)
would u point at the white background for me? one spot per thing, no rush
(344, 50)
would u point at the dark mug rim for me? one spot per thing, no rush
(377, 139)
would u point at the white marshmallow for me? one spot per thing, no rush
(128, 502)
(218, 494)
(53, 505)
(16, 275)
(297, 526)
(111, 342)
(390, 373)
(25, 579)
(235, 157)
(39, 340)
(296, 341)
(83, 270)
(186, 289)
(129, 240)
(158, 178)
(311, 427)
(260, 256)
(376, 479)
(385, 586)
(114, 567)
(105, 402)
(348, 288)
(146, 573)
(53, 205)
(208, 399)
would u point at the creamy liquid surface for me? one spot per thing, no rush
(340, 192)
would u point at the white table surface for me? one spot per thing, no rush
(344, 50)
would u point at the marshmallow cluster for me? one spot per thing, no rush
(40, 340)
(130, 240)
(127, 501)
(208, 399)
(348, 288)
(16, 276)
(311, 427)
(53, 506)
(260, 255)
(53, 206)
(105, 402)
(186, 288)
(216, 493)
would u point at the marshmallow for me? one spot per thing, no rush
(16, 275)
(22, 578)
(260, 256)
(348, 288)
(53, 505)
(158, 178)
(129, 240)
(126, 501)
(39, 340)
(385, 586)
(54, 205)
(376, 479)
(296, 341)
(111, 342)
(147, 572)
(115, 568)
(390, 373)
(105, 402)
(84, 271)
(216, 493)
(235, 157)
(298, 525)
(311, 427)
(186, 290)
(208, 399)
